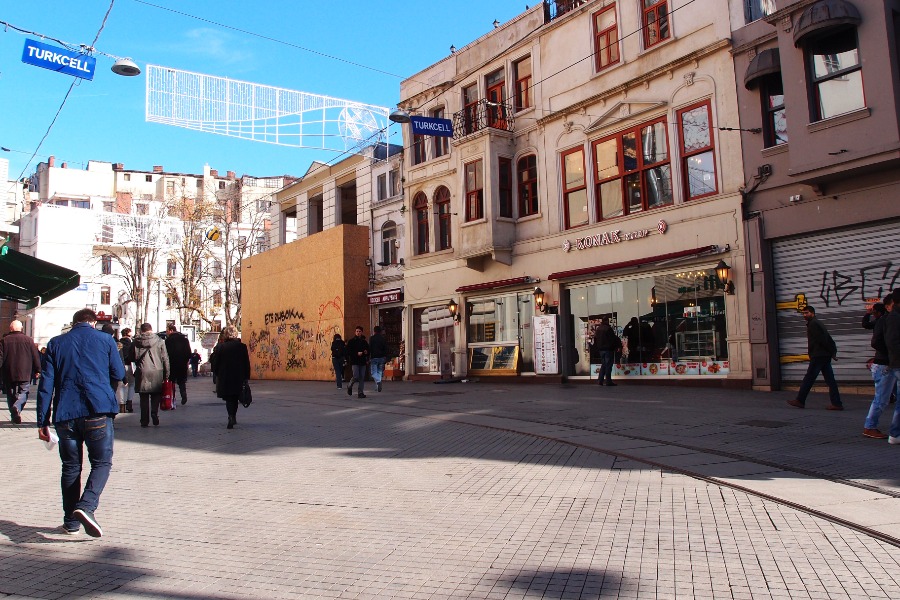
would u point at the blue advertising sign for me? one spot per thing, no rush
(59, 59)
(432, 126)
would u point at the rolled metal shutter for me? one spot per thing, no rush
(836, 271)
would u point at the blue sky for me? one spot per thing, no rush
(104, 119)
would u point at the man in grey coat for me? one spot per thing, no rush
(151, 369)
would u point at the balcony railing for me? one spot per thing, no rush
(557, 8)
(481, 115)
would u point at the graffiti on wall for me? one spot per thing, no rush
(872, 281)
(290, 344)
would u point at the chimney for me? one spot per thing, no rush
(118, 166)
(231, 175)
(213, 173)
(157, 169)
(51, 161)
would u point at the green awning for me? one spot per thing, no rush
(32, 281)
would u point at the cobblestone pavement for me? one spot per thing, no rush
(472, 490)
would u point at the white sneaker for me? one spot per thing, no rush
(893, 440)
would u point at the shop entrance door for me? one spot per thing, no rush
(525, 303)
(391, 321)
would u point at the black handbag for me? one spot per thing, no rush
(246, 395)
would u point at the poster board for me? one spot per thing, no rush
(502, 359)
(546, 344)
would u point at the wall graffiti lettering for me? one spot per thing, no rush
(873, 281)
(282, 316)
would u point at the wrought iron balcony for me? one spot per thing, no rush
(557, 8)
(481, 115)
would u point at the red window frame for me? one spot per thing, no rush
(470, 108)
(568, 191)
(626, 174)
(526, 178)
(504, 187)
(442, 206)
(473, 173)
(606, 41)
(496, 97)
(687, 154)
(655, 22)
(523, 85)
(420, 206)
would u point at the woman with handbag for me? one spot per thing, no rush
(230, 363)
(151, 369)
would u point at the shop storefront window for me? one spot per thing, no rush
(435, 338)
(672, 324)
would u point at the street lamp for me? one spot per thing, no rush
(453, 307)
(723, 272)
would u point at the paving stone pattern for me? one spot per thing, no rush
(319, 495)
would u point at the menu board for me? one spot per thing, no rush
(494, 360)
(546, 355)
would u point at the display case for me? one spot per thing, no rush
(696, 344)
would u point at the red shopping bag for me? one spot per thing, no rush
(168, 396)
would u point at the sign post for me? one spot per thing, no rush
(59, 59)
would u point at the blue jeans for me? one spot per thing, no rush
(819, 364)
(376, 367)
(96, 434)
(885, 383)
(359, 374)
(895, 422)
(606, 366)
(17, 395)
(338, 366)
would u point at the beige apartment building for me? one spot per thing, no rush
(594, 171)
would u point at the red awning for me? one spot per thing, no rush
(492, 285)
(633, 263)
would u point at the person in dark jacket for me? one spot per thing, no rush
(127, 390)
(179, 349)
(195, 362)
(109, 329)
(151, 369)
(605, 344)
(75, 380)
(230, 363)
(378, 351)
(358, 355)
(882, 376)
(892, 341)
(20, 363)
(338, 359)
(822, 350)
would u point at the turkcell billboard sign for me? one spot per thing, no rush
(431, 126)
(59, 59)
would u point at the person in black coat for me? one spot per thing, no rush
(21, 363)
(358, 355)
(821, 350)
(230, 363)
(179, 349)
(338, 350)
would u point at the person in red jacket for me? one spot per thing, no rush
(20, 362)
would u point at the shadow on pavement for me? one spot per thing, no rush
(572, 583)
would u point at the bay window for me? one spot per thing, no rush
(575, 200)
(526, 178)
(474, 176)
(835, 74)
(505, 187)
(698, 160)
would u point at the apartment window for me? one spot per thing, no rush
(504, 187)
(442, 207)
(217, 269)
(199, 183)
(522, 75)
(141, 209)
(606, 38)
(216, 326)
(526, 176)
(221, 185)
(656, 22)
(148, 178)
(104, 295)
(698, 159)
(836, 74)
(774, 117)
(441, 143)
(389, 243)
(127, 176)
(171, 267)
(575, 201)
(171, 300)
(106, 264)
(474, 191)
(262, 243)
(757, 9)
(170, 188)
(632, 170)
(394, 181)
(420, 206)
(496, 98)
(418, 149)
(382, 186)
(262, 205)
(470, 108)
(80, 203)
(217, 297)
(109, 207)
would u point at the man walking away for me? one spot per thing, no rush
(127, 390)
(21, 362)
(882, 376)
(892, 341)
(179, 349)
(75, 381)
(151, 369)
(378, 356)
(195, 362)
(606, 342)
(822, 350)
(358, 355)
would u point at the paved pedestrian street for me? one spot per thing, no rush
(468, 490)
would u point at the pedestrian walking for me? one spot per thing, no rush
(338, 358)
(151, 369)
(113, 383)
(231, 365)
(195, 362)
(358, 355)
(75, 382)
(605, 344)
(126, 391)
(20, 364)
(892, 341)
(378, 351)
(179, 349)
(882, 376)
(822, 350)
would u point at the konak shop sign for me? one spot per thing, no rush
(615, 236)
(386, 296)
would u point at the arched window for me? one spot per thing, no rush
(420, 207)
(526, 177)
(388, 244)
(442, 208)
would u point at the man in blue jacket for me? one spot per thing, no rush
(75, 377)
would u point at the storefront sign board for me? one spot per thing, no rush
(546, 354)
